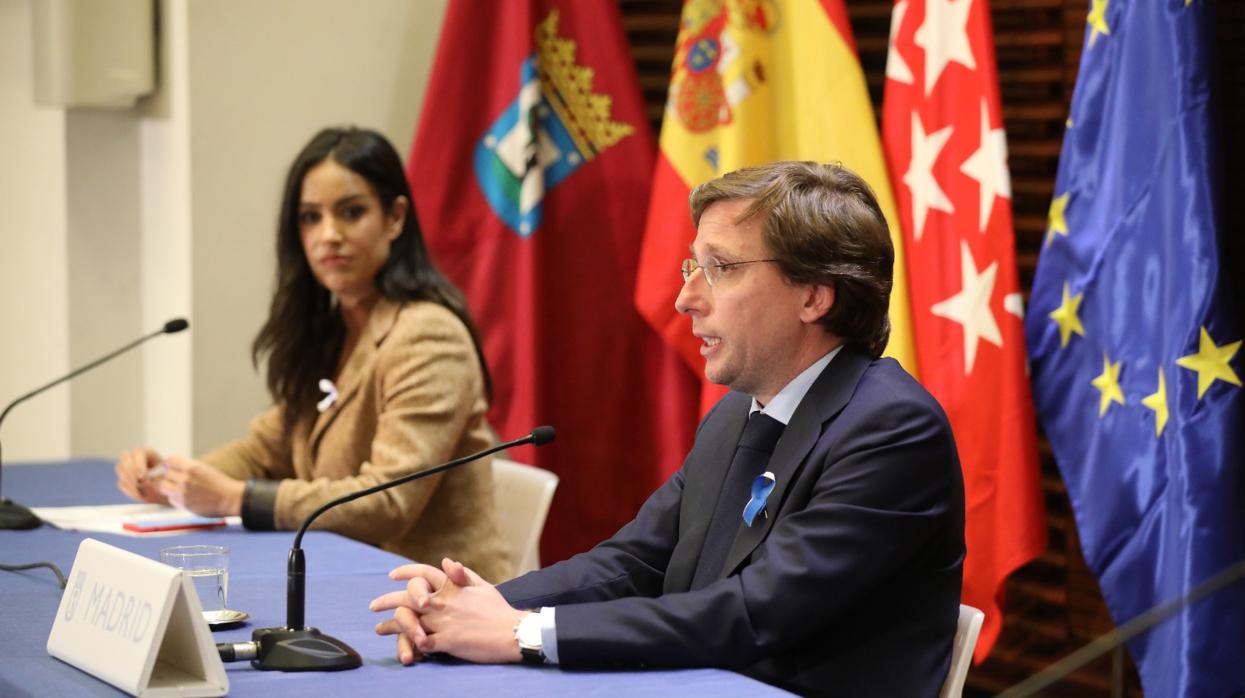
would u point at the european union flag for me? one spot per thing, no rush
(1134, 349)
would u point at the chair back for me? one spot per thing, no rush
(522, 494)
(966, 630)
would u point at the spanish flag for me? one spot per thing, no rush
(754, 82)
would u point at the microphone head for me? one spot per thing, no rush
(542, 435)
(176, 325)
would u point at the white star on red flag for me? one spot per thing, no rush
(922, 183)
(896, 68)
(970, 306)
(988, 165)
(944, 36)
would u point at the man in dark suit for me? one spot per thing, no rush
(814, 537)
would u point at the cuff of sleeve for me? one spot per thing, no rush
(549, 635)
(259, 504)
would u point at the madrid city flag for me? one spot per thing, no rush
(1135, 348)
(753, 83)
(943, 131)
(530, 172)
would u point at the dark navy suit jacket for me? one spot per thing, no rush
(850, 586)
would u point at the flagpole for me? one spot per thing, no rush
(1115, 639)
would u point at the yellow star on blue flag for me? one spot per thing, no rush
(1211, 363)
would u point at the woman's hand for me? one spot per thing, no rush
(198, 487)
(132, 475)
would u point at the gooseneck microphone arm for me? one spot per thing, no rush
(299, 648)
(13, 515)
(539, 437)
(170, 327)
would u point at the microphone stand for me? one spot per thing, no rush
(16, 516)
(297, 647)
(1117, 637)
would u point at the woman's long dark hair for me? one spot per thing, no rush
(303, 337)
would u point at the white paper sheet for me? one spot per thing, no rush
(108, 518)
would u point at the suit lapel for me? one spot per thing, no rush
(827, 396)
(380, 321)
(705, 472)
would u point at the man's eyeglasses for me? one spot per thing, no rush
(714, 270)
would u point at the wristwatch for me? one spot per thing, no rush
(527, 634)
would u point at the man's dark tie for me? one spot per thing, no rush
(751, 456)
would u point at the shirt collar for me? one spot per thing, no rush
(784, 403)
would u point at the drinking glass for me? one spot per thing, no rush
(208, 567)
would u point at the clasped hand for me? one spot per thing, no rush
(451, 610)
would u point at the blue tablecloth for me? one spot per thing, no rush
(342, 576)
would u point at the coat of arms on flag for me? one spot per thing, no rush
(554, 124)
(716, 66)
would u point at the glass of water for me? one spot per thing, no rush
(208, 567)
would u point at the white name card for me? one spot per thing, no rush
(136, 624)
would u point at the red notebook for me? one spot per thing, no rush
(185, 524)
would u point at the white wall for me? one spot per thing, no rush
(167, 268)
(125, 218)
(104, 244)
(34, 293)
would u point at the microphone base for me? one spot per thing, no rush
(14, 516)
(306, 649)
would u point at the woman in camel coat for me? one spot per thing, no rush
(375, 371)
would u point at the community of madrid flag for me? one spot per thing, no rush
(530, 172)
(943, 131)
(755, 82)
(1135, 350)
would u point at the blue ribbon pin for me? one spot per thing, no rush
(761, 487)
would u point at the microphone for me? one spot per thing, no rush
(297, 647)
(16, 516)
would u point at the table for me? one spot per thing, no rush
(342, 576)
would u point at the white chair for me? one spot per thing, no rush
(522, 494)
(966, 631)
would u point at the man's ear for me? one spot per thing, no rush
(817, 302)
(398, 212)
